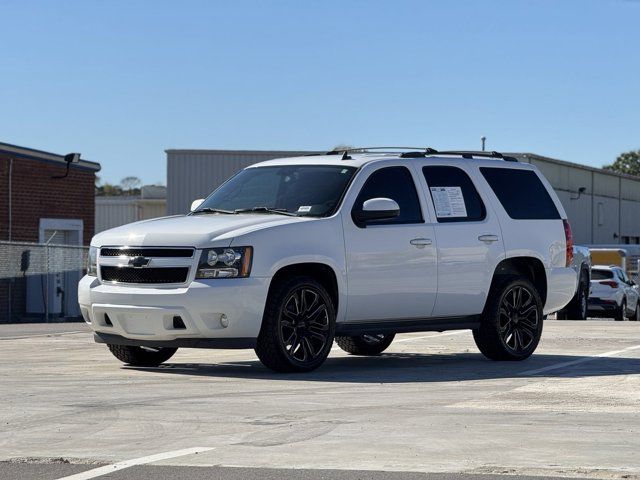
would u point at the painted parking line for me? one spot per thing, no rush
(557, 366)
(107, 469)
(22, 337)
(437, 335)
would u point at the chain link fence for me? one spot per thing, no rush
(39, 282)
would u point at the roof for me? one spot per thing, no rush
(359, 159)
(15, 151)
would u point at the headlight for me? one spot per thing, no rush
(92, 262)
(225, 262)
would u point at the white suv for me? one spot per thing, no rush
(356, 246)
(613, 294)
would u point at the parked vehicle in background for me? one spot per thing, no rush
(625, 256)
(578, 306)
(613, 294)
(355, 245)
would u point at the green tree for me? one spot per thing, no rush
(130, 183)
(628, 162)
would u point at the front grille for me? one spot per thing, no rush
(144, 275)
(147, 252)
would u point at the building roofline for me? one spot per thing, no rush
(523, 156)
(254, 152)
(41, 155)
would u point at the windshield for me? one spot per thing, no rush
(309, 190)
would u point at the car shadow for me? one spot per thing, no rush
(413, 368)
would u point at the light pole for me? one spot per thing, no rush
(483, 139)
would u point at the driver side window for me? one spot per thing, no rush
(397, 184)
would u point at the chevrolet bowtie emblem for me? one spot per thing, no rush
(139, 262)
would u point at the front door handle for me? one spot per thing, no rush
(420, 242)
(488, 238)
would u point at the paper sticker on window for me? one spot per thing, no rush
(304, 208)
(448, 202)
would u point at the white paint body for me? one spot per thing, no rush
(600, 293)
(382, 273)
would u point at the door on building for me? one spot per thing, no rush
(53, 292)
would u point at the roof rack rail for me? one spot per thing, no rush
(417, 152)
(368, 149)
(462, 153)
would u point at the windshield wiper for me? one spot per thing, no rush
(280, 211)
(212, 210)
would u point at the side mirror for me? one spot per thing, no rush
(377, 209)
(196, 203)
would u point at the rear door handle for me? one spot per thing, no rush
(488, 238)
(420, 242)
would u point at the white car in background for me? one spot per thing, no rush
(613, 294)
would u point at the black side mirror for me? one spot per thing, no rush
(376, 209)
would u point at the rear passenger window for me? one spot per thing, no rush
(601, 274)
(521, 193)
(454, 196)
(397, 184)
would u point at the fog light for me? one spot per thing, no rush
(224, 321)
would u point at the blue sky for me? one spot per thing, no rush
(121, 81)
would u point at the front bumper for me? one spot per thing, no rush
(222, 313)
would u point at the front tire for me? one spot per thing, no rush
(636, 314)
(298, 326)
(366, 344)
(511, 325)
(141, 356)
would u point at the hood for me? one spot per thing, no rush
(190, 230)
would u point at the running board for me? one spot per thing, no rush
(350, 329)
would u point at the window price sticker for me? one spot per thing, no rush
(448, 202)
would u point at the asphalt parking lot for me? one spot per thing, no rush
(431, 404)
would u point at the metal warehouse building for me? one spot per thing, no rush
(603, 207)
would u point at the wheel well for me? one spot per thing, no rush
(528, 267)
(319, 271)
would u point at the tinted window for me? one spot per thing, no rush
(454, 196)
(309, 190)
(601, 274)
(521, 193)
(397, 184)
(622, 275)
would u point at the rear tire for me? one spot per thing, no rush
(141, 356)
(298, 326)
(511, 324)
(577, 309)
(366, 344)
(620, 313)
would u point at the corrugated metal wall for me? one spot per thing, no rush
(605, 213)
(116, 211)
(193, 174)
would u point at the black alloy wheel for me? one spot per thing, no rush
(305, 325)
(298, 326)
(519, 319)
(512, 321)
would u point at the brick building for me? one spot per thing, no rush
(35, 207)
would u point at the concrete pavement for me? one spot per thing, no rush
(431, 404)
